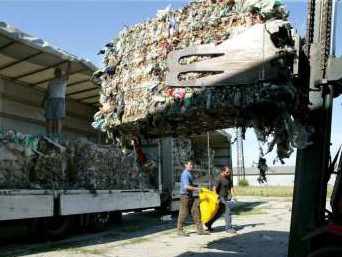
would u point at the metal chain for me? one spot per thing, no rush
(310, 26)
(325, 36)
(325, 29)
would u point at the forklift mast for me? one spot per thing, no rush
(320, 74)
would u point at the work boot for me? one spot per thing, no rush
(203, 232)
(209, 228)
(231, 231)
(182, 233)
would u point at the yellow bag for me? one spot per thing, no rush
(209, 204)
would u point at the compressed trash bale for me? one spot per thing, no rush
(93, 165)
(105, 167)
(14, 169)
(184, 150)
(135, 97)
(50, 166)
(15, 159)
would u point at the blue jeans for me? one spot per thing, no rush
(225, 206)
(228, 206)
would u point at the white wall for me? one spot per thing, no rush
(275, 180)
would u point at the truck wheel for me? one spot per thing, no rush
(36, 230)
(57, 227)
(99, 221)
(116, 217)
(327, 252)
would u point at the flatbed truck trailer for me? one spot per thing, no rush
(52, 212)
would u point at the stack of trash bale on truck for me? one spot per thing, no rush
(32, 162)
(38, 163)
(42, 179)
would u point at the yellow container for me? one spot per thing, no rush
(209, 204)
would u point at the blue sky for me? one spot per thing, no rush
(82, 27)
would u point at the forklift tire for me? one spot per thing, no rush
(327, 252)
(56, 228)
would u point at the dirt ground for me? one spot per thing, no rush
(262, 223)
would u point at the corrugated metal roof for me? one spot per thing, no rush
(30, 60)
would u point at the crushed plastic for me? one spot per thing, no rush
(135, 98)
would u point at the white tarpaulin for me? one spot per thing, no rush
(30, 60)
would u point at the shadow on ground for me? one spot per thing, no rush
(134, 227)
(256, 244)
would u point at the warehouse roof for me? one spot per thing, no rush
(30, 60)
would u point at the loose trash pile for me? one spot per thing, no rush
(136, 100)
(30, 162)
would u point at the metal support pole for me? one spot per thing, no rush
(209, 159)
(243, 161)
(160, 184)
(238, 164)
(240, 159)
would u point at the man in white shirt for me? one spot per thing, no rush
(54, 103)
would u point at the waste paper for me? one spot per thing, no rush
(137, 100)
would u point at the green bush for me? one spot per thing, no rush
(243, 183)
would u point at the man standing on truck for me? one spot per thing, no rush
(54, 103)
(224, 188)
(189, 202)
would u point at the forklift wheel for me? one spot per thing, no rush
(327, 252)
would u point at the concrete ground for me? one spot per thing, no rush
(262, 223)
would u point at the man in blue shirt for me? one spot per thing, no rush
(188, 202)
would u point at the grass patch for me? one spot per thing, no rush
(243, 183)
(265, 191)
(269, 191)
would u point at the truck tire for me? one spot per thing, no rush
(99, 221)
(56, 228)
(116, 217)
(35, 229)
(327, 252)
